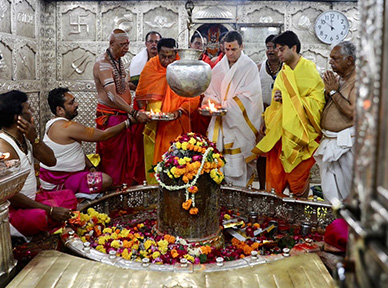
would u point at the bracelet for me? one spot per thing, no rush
(134, 113)
(51, 210)
(127, 123)
(180, 112)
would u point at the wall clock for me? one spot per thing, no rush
(331, 26)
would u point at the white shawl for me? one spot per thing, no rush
(238, 90)
(138, 62)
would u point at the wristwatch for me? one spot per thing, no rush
(332, 92)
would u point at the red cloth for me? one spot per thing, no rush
(33, 221)
(336, 234)
(277, 178)
(122, 155)
(207, 60)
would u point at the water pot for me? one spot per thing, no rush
(189, 77)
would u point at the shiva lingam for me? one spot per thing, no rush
(11, 182)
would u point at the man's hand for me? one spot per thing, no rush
(142, 117)
(278, 96)
(27, 128)
(331, 82)
(262, 128)
(60, 214)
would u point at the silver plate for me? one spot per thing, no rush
(207, 112)
(161, 117)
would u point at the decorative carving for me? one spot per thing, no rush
(5, 16)
(25, 19)
(123, 19)
(78, 64)
(163, 22)
(25, 61)
(78, 25)
(5, 62)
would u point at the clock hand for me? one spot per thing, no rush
(331, 22)
(331, 27)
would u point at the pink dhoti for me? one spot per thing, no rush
(33, 221)
(78, 182)
(122, 156)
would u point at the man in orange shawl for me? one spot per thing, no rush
(292, 121)
(154, 93)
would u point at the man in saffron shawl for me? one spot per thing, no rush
(154, 93)
(292, 121)
(235, 85)
(122, 155)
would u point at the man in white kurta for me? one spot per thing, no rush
(235, 85)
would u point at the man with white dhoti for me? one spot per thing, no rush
(335, 153)
(235, 85)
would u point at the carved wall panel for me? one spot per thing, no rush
(266, 14)
(78, 24)
(121, 18)
(5, 16)
(163, 20)
(25, 18)
(77, 64)
(6, 68)
(26, 63)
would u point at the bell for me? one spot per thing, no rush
(189, 77)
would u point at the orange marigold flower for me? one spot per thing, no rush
(193, 189)
(206, 249)
(235, 242)
(193, 211)
(255, 245)
(186, 205)
(257, 225)
(242, 256)
(185, 179)
(247, 249)
(127, 244)
(169, 238)
(174, 253)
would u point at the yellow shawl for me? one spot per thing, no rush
(296, 121)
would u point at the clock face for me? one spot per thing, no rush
(331, 27)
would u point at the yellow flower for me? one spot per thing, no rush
(135, 247)
(227, 217)
(189, 258)
(200, 144)
(187, 159)
(107, 230)
(101, 240)
(170, 175)
(163, 243)
(115, 244)
(114, 236)
(101, 249)
(155, 255)
(148, 244)
(126, 255)
(184, 145)
(178, 145)
(192, 141)
(182, 161)
(91, 211)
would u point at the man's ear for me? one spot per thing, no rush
(59, 111)
(242, 46)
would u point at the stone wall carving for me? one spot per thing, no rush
(62, 40)
(5, 16)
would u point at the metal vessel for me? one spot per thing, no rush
(189, 77)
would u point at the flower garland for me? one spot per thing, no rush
(196, 146)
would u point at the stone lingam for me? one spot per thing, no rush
(189, 179)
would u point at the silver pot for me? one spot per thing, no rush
(189, 77)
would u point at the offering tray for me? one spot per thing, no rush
(8, 167)
(208, 112)
(160, 116)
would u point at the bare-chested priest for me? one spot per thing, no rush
(121, 156)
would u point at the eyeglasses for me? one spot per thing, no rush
(271, 48)
(153, 41)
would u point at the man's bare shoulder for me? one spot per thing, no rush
(6, 147)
